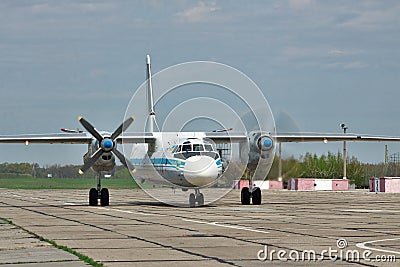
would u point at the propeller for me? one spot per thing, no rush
(106, 144)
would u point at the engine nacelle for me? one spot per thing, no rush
(260, 150)
(260, 142)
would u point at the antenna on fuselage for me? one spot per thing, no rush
(150, 100)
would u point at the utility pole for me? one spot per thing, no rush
(386, 154)
(344, 127)
(280, 161)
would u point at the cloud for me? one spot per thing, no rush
(200, 13)
(52, 8)
(336, 52)
(95, 7)
(341, 52)
(345, 65)
(373, 19)
(41, 8)
(300, 4)
(355, 65)
(292, 52)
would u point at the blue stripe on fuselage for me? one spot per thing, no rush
(168, 162)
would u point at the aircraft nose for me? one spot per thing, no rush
(200, 170)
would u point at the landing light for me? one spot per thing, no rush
(325, 141)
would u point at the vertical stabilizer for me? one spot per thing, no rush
(150, 100)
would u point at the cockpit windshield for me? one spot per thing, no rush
(198, 147)
(191, 148)
(186, 148)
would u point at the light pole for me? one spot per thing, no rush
(344, 127)
(280, 162)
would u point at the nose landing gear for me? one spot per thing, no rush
(197, 197)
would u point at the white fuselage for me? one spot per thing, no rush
(182, 160)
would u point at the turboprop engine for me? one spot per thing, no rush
(260, 149)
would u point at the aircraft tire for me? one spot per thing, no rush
(104, 197)
(245, 196)
(200, 199)
(93, 195)
(192, 200)
(256, 196)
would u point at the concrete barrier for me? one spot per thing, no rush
(340, 184)
(263, 185)
(311, 184)
(384, 184)
(269, 185)
(239, 184)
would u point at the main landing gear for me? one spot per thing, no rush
(197, 197)
(254, 194)
(99, 193)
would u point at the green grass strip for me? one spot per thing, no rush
(30, 183)
(82, 257)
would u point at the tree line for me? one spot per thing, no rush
(54, 171)
(330, 166)
(310, 165)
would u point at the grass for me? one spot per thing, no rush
(82, 257)
(28, 182)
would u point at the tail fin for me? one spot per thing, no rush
(150, 100)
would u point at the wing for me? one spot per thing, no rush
(136, 138)
(317, 137)
(225, 137)
(302, 137)
(71, 138)
(57, 138)
(84, 138)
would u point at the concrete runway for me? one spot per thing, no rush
(139, 231)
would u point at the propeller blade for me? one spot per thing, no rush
(123, 160)
(122, 128)
(89, 127)
(92, 160)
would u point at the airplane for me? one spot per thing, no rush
(183, 160)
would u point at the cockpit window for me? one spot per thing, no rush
(198, 147)
(186, 148)
(208, 147)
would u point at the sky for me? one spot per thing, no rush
(318, 63)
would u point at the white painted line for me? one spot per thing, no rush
(71, 204)
(237, 227)
(189, 220)
(38, 198)
(245, 209)
(132, 212)
(364, 245)
(368, 211)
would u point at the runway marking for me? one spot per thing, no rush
(237, 227)
(38, 198)
(245, 209)
(132, 212)
(69, 203)
(363, 245)
(368, 211)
